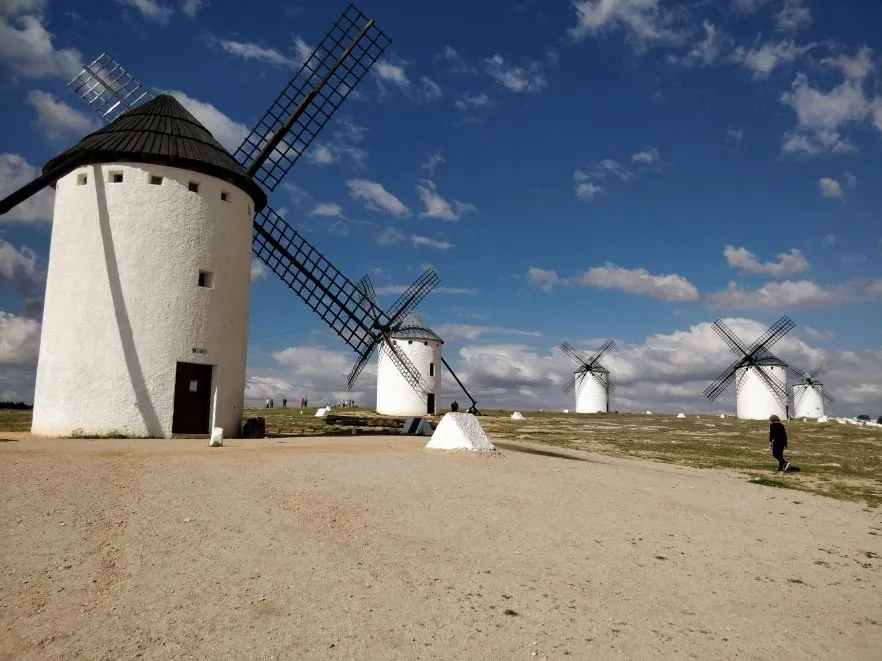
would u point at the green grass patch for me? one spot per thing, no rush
(769, 482)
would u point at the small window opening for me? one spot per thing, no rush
(116, 177)
(225, 196)
(156, 180)
(431, 369)
(206, 279)
(425, 343)
(82, 179)
(410, 341)
(194, 187)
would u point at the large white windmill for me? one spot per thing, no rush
(591, 380)
(809, 393)
(145, 317)
(760, 376)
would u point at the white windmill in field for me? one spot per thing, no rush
(760, 376)
(408, 364)
(809, 393)
(591, 380)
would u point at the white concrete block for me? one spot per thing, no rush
(460, 431)
(517, 415)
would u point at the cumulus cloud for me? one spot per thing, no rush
(251, 51)
(58, 120)
(788, 263)
(647, 156)
(763, 59)
(327, 209)
(515, 78)
(644, 22)
(15, 172)
(432, 161)
(258, 270)
(428, 91)
(667, 287)
(418, 241)
(343, 145)
(470, 101)
(829, 187)
(793, 16)
(469, 332)
(193, 7)
(19, 339)
(435, 206)
(390, 236)
(19, 266)
(375, 197)
(26, 46)
(797, 294)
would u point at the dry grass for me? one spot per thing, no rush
(841, 461)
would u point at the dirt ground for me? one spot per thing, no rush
(375, 548)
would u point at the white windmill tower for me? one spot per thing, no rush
(591, 381)
(760, 376)
(127, 344)
(409, 361)
(145, 324)
(809, 393)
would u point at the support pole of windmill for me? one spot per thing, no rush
(456, 378)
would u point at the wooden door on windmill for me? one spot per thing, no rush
(430, 404)
(192, 399)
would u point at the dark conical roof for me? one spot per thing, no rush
(162, 132)
(413, 328)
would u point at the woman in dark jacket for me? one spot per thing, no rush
(778, 441)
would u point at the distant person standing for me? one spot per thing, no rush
(305, 402)
(284, 402)
(778, 441)
(267, 403)
(454, 406)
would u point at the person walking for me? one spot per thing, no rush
(778, 441)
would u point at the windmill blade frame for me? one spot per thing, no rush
(728, 336)
(569, 385)
(574, 353)
(772, 335)
(602, 351)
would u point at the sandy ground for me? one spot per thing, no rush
(375, 548)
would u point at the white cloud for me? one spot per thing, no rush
(749, 6)
(432, 161)
(226, 131)
(151, 10)
(19, 339)
(193, 7)
(19, 265)
(817, 335)
(376, 197)
(515, 78)
(390, 236)
(639, 281)
(586, 189)
(26, 46)
(469, 101)
(853, 68)
(251, 51)
(431, 243)
(829, 187)
(766, 58)
(458, 332)
(830, 240)
(392, 73)
(303, 50)
(455, 62)
(794, 15)
(788, 263)
(258, 270)
(435, 206)
(707, 51)
(543, 278)
(734, 135)
(429, 92)
(344, 144)
(15, 172)
(797, 294)
(648, 156)
(850, 179)
(58, 120)
(328, 209)
(644, 22)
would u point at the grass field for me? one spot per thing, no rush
(841, 461)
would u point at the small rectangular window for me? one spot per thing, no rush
(224, 196)
(431, 369)
(156, 180)
(82, 179)
(194, 187)
(206, 279)
(116, 177)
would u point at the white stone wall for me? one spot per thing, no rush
(591, 396)
(807, 401)
(395, 396)
(123, 304)
(754, 399)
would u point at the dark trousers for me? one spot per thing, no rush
(778, 453)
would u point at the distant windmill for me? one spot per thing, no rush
(809, 393)
(591, 380)
(153, 140)
(405, 337)
(760, 376)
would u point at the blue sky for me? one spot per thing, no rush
(573, 170)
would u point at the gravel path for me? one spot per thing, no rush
(375, 548)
